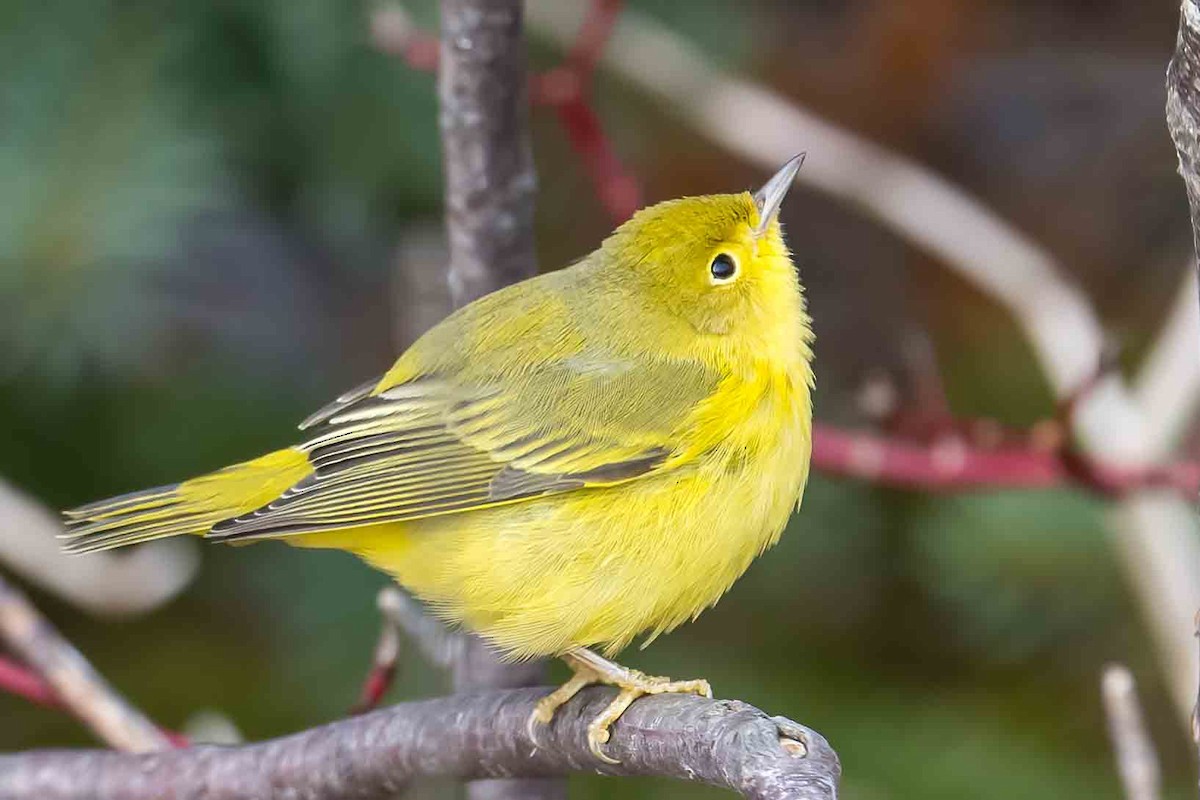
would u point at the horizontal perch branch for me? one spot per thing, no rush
(953, 464)
(725, 743)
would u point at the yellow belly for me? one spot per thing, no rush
(596, 567)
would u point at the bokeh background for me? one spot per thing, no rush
(214, 216)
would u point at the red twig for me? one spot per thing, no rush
(952, 464)
(378, 681)
(393, 32)
(387, 653)
(23, 682)
(593, 37)
(566, 89)
(618, 190)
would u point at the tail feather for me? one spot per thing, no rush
(121, 503)
(191, 507)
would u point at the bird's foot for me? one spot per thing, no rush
(590, 668)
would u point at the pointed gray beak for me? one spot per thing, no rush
(770, 197)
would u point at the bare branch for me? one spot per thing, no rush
(438, 644)
(387, 654)
(1183, 106)
(73, 680)
(105, 584)
(952, 463)
(1137, 763)
(22, 682)
(483, 93)
(723, 743)
(490, 180)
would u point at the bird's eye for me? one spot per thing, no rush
(723, 268)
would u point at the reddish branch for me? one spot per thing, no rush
(566, 89)
(65, 676)
(17, 680)
(951, 463)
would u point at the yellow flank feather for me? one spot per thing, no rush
(579, 459)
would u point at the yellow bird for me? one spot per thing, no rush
(568, 463)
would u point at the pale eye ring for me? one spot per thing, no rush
(723, 268)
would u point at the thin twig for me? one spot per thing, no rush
(952, 463)
(1137, 762)
(105, 584)
(23, 682)
(72, 678)
(385, 657)
(724, 743)
(437, 644)
(566, 89)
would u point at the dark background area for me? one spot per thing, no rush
(203, 209)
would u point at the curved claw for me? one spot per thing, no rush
(597, 737)
(543, 712)
(531, 728)
(591, 668)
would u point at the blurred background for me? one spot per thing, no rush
(216, 216)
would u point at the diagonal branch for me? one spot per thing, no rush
(1137, 762)
(722, 743)
(72, 678)
(107, 584)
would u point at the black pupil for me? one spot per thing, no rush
(722, 267)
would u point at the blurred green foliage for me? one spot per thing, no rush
(201, 202)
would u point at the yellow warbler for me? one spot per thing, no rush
(572, 461)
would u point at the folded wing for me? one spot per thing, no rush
(434, 444)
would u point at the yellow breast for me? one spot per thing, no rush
(539, 578)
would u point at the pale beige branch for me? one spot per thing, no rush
(1137, 761)
(87, 695)
(104, 584)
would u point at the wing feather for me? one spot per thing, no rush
(433, 445)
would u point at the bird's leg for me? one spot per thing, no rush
(590, 668)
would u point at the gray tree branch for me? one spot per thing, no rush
(720, 742)
(488, 161)
(1183, 106)
(490, 189)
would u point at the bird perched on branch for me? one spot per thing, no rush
(568, 463)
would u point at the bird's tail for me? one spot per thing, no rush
(193, 506)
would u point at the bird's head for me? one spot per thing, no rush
(717, 261)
